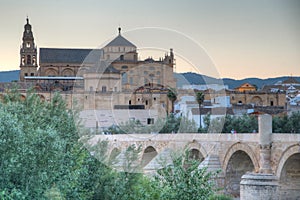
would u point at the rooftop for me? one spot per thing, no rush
(120, 41)
(62, 55)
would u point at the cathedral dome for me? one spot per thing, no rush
(120, 41)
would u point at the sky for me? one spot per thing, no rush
(226, 38)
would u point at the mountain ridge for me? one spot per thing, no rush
(198, 79)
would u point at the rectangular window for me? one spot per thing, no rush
(131, 80)
(150, 120)
(103, 88)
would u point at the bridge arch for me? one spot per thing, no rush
(23, 97)
(288, 172)
(148, 154)
(113, 154)
(291, 150)
(42, 97)
(196, 151)
(238, 160)
(240, 147)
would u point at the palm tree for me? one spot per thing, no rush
(200, 99)
(172, 95)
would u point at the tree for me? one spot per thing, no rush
(172, 95)
(200, 99)
(40, 152)
(187, 126)
(242, 124)
(184, 180)
(287, 124)
(171, 124)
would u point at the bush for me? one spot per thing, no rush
(219, 197)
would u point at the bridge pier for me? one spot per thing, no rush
(213, 164)
(262, 185)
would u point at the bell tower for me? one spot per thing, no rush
(28, 53)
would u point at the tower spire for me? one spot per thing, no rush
(28, 53)
(119, 29)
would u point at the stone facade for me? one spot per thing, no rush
(98, 79)
(257, 98)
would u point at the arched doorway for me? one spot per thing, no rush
(149, 153)
(256, 100)
(238, 164)
(290, 178)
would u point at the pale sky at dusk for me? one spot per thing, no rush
(244, 38)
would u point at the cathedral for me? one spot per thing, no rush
(108, 78)
(119, 57)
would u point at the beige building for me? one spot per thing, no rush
(108, 78)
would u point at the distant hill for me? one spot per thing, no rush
(184, 79)
(198, 79)
(9, 76)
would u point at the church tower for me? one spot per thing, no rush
(28, 53)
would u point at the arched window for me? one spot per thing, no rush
(28, 59)
(23, 60)
(33, 60)
(121, 57)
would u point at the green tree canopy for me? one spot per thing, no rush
(200, 99)
(172, 95)
(38, 144)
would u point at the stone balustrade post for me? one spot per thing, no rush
(265, 143)
(262, 185)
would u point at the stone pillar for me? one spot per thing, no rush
(262, 185)
(265, 142)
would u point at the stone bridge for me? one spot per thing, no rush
(234, 154)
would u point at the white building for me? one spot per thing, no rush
(205, 87)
